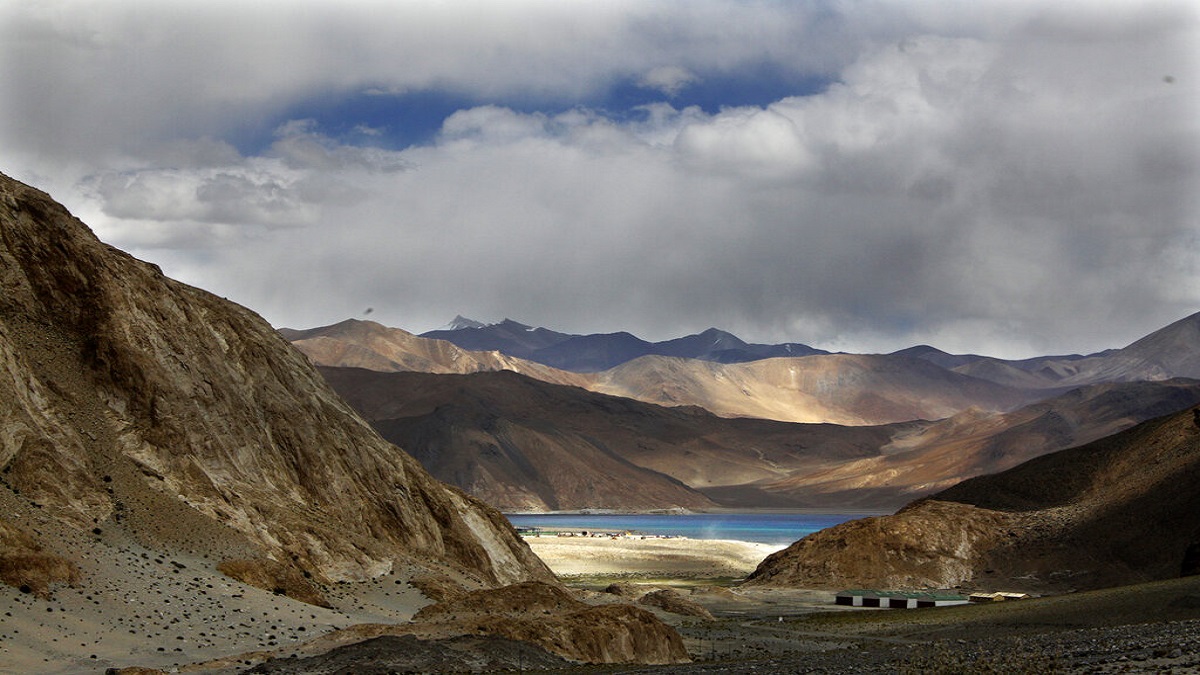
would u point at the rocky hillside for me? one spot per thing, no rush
(1120, 510)
(132, 402)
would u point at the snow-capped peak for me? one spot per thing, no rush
(460, 322)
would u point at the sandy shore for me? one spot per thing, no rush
(635, 556)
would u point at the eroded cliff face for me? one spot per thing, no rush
(1121, 510)
(933, 545)
(120, 387)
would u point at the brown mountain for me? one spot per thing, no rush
(1120, 510)
(131, 401)
(523, 444)
(916, 383)
(933, 457)
(601, 351)
(849, 389)
(838, 388)
(366, 344)
(1172, 351)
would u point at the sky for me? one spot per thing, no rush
(1004, 177)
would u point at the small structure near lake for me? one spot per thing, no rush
(898, 599)
(999, 596)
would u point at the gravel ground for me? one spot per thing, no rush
(1160, 647)
(1137, 629)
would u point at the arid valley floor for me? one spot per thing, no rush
(177, 614)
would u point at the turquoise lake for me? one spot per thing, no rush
(765, 528)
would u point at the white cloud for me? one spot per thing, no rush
(1004, 177)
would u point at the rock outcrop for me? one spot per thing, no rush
(409, 654)
(669, 600)
(1121, 510)
(549, 617)
(26, 565)
(131, 401)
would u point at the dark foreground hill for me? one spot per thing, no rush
(178, 484)
(126, 389)
(1121, 510)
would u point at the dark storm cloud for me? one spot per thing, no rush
(1017, 183)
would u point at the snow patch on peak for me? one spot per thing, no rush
(461, 322)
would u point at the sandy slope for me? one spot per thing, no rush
(137, 606)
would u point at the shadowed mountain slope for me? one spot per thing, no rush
(933, 457)
(508, 337)
(136, 404)
(1120, 510)
(523, 444)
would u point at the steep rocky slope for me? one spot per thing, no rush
(1120, 510)
(132, 402)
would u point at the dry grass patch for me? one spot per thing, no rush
(34, 573)
(274, 576)
(25, 565)
(438, 587)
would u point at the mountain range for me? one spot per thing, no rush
(525, 445)
(1120, 510)
(1047, 474)
(1168, 352)
(839, 388)
(596, 352)
(827, 430)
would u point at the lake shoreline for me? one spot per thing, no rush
(864, 513)
(757, 527)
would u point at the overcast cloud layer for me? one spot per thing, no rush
(1011, 178)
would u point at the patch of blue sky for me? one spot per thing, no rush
(759, 86)
(397, 121)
